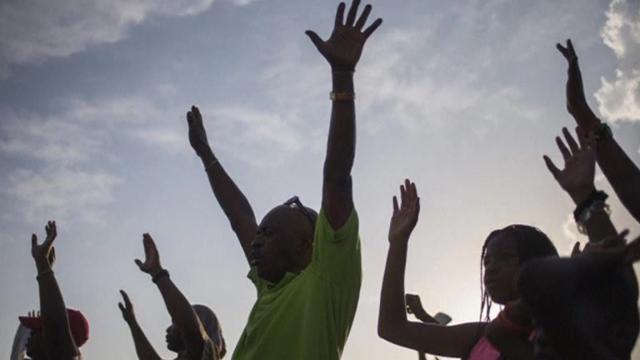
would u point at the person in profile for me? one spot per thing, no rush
(306, 267)
(56, 332)
(195, 332)
(504, 253)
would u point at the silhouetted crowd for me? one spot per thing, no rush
(306, 265)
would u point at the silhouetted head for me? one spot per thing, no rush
(504, 253)
(211, 325)
(36, 344)
(284, 241)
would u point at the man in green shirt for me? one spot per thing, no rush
(306, 267)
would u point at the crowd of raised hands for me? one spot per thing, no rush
(306, 268)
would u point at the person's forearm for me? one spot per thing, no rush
(144, 349)
(337, 187)
(54, 312)
(392, 307)
(183, 316)
(342, 131)
(231, 199)
(599, 225)
(622, 173)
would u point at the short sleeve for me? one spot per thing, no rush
(336, 253)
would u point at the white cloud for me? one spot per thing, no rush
(64, 194)
(619, 99)
(258, 137)
(34, 30)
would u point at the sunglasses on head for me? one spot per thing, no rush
(295, 203)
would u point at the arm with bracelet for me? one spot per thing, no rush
(182, 314)
(622, 173)
(577, 179)
(231, 199)
(58, 340)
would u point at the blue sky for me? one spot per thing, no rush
(463, 97)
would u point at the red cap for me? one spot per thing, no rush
(77, 323)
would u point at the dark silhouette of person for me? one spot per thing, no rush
(195, 332)
(56, 332)
(305, 266)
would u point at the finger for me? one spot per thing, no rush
(315, 39)
(576, 249)
(197, 114)
(566, 154)
(351, 17)
(582, 138)
(34, 241)
(563, 50)
(340, 15)
(553, 169)
(363, 18)
(139, 263)
(573, 145)
(570, 49)
(372, 28)
(396, 208)
(126, 299)
(189, 118)
(403, 197)
(124, 311)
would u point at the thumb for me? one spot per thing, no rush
(315, 39)
(34, 241)
(139, 263)
(576, 249)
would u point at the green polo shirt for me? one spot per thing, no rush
(308, 315)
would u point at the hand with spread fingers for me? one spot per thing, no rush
(577, 177)
(405, 215)
(344, 47)
(197, 133)
(151, 264)
(45, 254)
(576, 102)
(127, 308)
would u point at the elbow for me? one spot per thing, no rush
(389, 330)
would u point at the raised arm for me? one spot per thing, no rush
(393, 326)
(577, 179)
(182, 314)
(233, 202)
(342, 50)
(59, 342)
(621, 172)
(144, 349)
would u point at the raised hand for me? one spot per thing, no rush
(405, 216)
(576, 102)
(45, 254)
(127, 308)
(151, 264)
(197, 133)
(344, 47)
(577, 177)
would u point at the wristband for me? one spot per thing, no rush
(158, 276)
(584, 211)
(342, 96)
(42, 274)
(603, 131)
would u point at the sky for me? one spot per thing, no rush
(462, 97)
